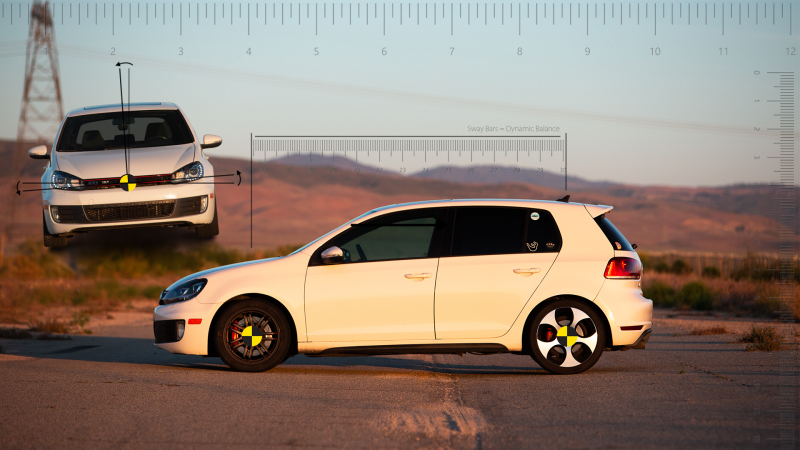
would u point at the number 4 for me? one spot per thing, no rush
(248, 52)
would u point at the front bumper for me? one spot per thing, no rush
(195, 336)
(81, 211)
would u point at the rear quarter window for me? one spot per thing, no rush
(614, 236)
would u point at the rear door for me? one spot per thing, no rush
(496, 258)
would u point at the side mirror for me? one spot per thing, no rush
(39, 152)
(333, 255)
(211, 141)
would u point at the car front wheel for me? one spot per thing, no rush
(252, 336)
(567, 337)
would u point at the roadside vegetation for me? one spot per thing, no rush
(762, 339)
(750, 290)
(57, 292)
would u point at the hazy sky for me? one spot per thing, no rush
(654, 100)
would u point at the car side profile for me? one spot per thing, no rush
(550, 279)
(138, 166)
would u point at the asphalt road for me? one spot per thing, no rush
(115, 390)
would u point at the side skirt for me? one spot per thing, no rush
(428, 349)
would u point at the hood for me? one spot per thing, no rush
(208, 272)
(111, 163)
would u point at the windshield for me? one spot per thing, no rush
(329, 232)
(108, 131)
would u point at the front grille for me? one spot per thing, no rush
(166, 331)
(129, 211)
(141, 181)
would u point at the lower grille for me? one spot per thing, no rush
(129, 211)
(166, 331)
(68, 214)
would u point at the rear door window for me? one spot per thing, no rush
(499, 230)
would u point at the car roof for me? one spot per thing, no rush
(115, 107)
(594, 210)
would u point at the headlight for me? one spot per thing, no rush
(182, 292)
(63, 180)
(189, 172)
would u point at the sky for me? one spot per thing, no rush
(664, 97)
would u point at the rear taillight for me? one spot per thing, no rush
(624, 268)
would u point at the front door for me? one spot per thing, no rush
(498, 258)
(383, 291)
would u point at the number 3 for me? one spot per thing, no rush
(180, 51)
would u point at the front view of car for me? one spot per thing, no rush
(140, 167)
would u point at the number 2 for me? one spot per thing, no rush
(113, 51)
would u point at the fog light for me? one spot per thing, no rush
(181, 329)
(203, 203)
(54, 213)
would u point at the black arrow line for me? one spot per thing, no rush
(124, 125)
(17, 187)
(240, 178)
(120, 63)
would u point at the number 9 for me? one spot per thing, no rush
(587, 50)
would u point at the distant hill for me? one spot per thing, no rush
(503, 174)
(299, 201)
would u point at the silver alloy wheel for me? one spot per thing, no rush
(567, 337)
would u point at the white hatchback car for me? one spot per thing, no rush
(553, 280)
(141, 168)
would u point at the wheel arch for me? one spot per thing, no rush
(212, 349)
(526, 346)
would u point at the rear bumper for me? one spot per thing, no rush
(629, 314)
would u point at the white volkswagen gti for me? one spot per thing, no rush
(550, 279)
(143, 167)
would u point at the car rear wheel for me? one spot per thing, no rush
(567, 337)
(252, 336)
(210, 230)
(50, 240)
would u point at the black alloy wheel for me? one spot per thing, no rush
(252, 336)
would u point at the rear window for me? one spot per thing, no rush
(614, 236)
(108, 131)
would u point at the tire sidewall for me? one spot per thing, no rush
(540, 359)
(275, 358)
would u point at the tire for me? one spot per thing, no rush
(210, 230)
(241, 352)
(50, 240)
(567, 337)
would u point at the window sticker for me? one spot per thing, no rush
(619, 247)
(550, 245)
(535, 216)
(532, 246)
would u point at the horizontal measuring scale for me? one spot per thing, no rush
(424, 147)
(316, 17)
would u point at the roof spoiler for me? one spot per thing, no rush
(564, 199)
(597, 210)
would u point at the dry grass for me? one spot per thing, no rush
(57, 292)
(763, 339)
(743, 298)
(709, 331)
(51, 325)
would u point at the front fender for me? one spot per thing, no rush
(282, 279)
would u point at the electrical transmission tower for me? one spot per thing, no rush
(41, 111)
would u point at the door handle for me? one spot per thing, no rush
(530, 271)
(417, 276)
